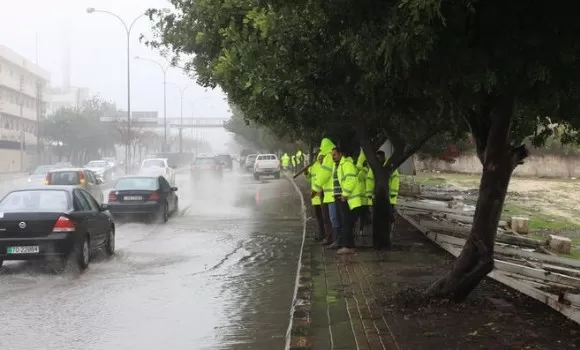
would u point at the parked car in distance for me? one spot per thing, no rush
(266, 164)
(82, 178)
(202, 166)
(226, 160)
(39, 174)
(158, 166)
(143, 196)
(249, 163)
(56, 222)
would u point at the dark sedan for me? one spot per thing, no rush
(203, 166)
(62, 222)
(143, 196)
(225, 160)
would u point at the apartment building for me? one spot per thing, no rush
(23, 86)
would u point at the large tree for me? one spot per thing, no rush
(404, 70)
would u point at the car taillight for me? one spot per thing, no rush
(63, 224)
(82, 178)
(47, 179)
(112, 197)
(154, 196)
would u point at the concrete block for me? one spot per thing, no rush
(559, 244)
(520, 224)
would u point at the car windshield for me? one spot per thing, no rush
(202, 161)
(64, 178)
(42, 170)
(137, 183)
(97, 164)
(153, 163)
(35, 201)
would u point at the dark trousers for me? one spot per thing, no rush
(320, 221)
(361, 216)
(383, 220)
(345, 216)
(327, 223)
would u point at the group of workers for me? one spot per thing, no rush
(294, 162)
(343, 193)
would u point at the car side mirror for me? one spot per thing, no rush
(99, 182)
(174, 189)
(104, 207)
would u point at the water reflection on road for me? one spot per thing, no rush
(218, 275)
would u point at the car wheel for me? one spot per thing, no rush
(110, 246)
(163, 213)
(82, 254)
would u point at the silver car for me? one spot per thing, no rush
(83, 178)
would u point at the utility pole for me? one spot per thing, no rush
(21, 128)
(38, 125)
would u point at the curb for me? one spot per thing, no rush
(298, 337)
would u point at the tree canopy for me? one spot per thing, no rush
(405, 70)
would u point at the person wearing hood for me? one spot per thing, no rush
(285, 161)
(362, 169)
(324, 183)
(311, 174)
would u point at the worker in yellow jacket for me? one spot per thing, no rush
(317, 200)
(285, 161)
(324, 184)
(348, 199)
(384, 209)
(362, 169)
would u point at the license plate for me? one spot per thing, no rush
(133, 198)
(22, 250)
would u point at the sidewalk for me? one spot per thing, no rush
(372, 300)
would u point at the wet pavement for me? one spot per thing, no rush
(219, 275)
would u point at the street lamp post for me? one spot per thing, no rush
(164, 70)
(181, 92)
(128, 29)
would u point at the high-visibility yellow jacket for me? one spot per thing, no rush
(293, 160)
(394, 184)
(325, 173)
(328, 187)
(285, 160)
(362, 173)
(311, 176)
(348, 180)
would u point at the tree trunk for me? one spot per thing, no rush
(492, 132)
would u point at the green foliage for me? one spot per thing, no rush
(258, 136)
(78, 133)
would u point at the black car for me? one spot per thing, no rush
(145, 196)
(203, 166)
(62, 222)
(226, 161)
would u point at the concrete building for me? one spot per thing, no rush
(23, 87)
(66, 97)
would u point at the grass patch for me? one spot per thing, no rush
(434, 179)
(538, 220)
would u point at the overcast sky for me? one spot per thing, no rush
(98, 55)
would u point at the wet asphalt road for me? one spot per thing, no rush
(219, 275)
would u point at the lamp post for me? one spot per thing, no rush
(128, 29)
(181, 92)
(164, 70)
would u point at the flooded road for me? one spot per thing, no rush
(219, 275)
